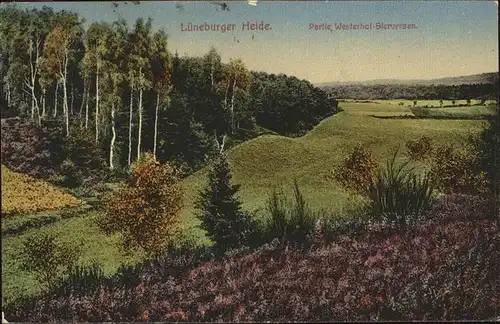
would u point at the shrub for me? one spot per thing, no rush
(457, 171)
(47, 258)
(81, 280)
(421, 149)
(488, 147)
(29, 148)
(146, 212)
(399, 195)
(83, 157)
(357, 171)
(290, 221)
(219, 209)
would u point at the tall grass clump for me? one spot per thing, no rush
(81, 280)
(291, 220)
(399, 195)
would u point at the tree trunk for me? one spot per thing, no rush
(112, 145)
(44, 98)
(39, 115)
(65, 106)
(97, 105)
(232, 105)
(82, 103)
(87, 110)
(72, 97)
(130, 125)
(139, 135)
(32, 106)
(33, 73)
(8, 94)
(55, 98)
(156, 123)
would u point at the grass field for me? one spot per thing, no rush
(463, 112)
(257, 165)
(22, 194)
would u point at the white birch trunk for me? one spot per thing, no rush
(139, 135)
(44, 99)
(113, 138)
(87, 111)
(97, 104)
(156, 124)
(72, 98)
(130, 125)
(65, 106)
(55, 98)
(232, 105)
(65, 89)
(8, 94)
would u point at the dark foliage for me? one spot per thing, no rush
(422, 92)
(227, 225)
(399, 195)
(291, 221)
(488, 146)
(31, 149)
(287, 105)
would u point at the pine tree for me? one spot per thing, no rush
(220, 209)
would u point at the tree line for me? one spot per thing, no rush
(124, 88)
(482, 91)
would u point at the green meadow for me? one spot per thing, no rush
(258, 166)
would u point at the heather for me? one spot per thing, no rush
(442, 269)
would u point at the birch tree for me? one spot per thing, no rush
(161, 67)
(58, 52)
(96, 44)
(237, 77)
(141, 40)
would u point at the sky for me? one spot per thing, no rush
(451, 38)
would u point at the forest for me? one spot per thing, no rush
(123, 88)
(480, 91)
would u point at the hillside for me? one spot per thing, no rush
(443, 269)
(468, 79)
(267, 161)
(22, 194)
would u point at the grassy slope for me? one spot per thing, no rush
(81, 231)
(273, 160)
(23, 194)
(257, 165)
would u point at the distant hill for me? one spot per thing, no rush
(469, 79)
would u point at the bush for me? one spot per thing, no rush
(29, 148)
(399, 195)
(47, 258)
(290, 221)
(81, 280)
(488, 147)
(357, 171)
(219, 209)
(83, 157)
(457, 171)
(421, 149)
(146, 212)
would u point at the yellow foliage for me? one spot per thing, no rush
(22, 194)
(147, 211)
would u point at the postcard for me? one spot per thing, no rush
(250, 161)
